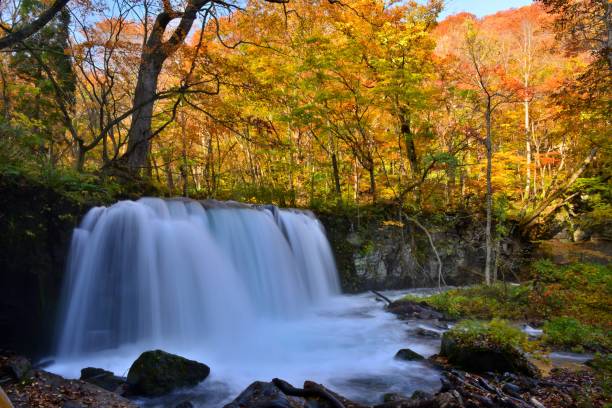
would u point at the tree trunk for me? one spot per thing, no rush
(336, 176)
(410, 147)
(372, 182)
(527, 153)
(140, 132)
(489, 201)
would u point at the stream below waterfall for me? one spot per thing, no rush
(347, 343)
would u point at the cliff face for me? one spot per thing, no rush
(379, 253)
(36, 224)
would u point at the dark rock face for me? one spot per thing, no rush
(408, 355)
(156, 373)
(103, 379)
(375, 251)
(480, 357)
(35, 230)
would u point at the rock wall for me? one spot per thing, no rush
(35, 228)
(378, 252)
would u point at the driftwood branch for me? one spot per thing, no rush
(433, 247)
(383, 297)
(310, 390)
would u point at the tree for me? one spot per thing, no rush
(14, 37)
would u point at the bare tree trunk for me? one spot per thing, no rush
(441, 280)
(372, 182)
(527, 153)
(489, 200)
(530, 220)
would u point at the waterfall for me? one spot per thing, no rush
(157, 272)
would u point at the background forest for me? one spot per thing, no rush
(318, 104)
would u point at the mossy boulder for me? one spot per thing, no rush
(408, 355)
(487, 347)
(157, 373)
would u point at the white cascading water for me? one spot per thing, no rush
(251, 291)
(164, 272)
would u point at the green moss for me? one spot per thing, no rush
(569, 333)
(497, 332)
(487, 346)
(482, 302)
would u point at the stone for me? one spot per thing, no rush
(407, 309)
(102, 378)
(421, 395)
(408, 355)
(393, 396)
(451, 399)
(481, 357)
(425, 332)
(265, 394)
(581, 235)
(156, 373)
(19, 367)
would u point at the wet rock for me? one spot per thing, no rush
(18, 367)
(394, 396)
(408, 355)
(265, 394)
(421, 395)
(425, 332)
(482, 357)
(156, 373)
(407, 309)
(103, 379)
(451, 399)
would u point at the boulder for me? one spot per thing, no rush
(18, 367)
(407, 309)
(281, 394)
(477, 355)
(156, 373)
(408, 355)
(102, 378)
(393, 397)
(265, 394)
(425, 332)
(421, 395)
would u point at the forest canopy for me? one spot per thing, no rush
(310, 103)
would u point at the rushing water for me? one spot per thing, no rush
(252, 292)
